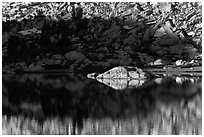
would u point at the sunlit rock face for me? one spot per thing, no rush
(121, 77)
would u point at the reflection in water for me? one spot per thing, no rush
(120, 84)
(68, 104)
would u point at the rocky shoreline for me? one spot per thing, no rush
(142, 35)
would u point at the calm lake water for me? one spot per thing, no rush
(74, 104)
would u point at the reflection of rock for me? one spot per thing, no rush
(90, 99)
(180, 88)
(120, 84)
(76, 85)
(117, 84)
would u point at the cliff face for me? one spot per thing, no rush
(90, 36)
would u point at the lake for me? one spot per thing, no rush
(59, 103)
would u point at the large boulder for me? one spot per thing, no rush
(77, 60)
(35, 68)
(58, 59)
(122, 72)
(122, 77)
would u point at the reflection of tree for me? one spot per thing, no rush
(173, 121)
(41, 99)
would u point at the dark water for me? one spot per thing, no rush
(70, 104)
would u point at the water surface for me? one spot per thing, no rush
(74, 104)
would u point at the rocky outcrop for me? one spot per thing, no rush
(129, 35)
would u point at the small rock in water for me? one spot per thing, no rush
(178, 62)
(157, 62)
(92, 75)
(192, 61)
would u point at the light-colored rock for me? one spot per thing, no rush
(133, 74)
(158, 62)
(159, 32)
(92, 75)
(114, 73)
(30, 31)
(121, 72)
(179, 62)
(121, 77)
